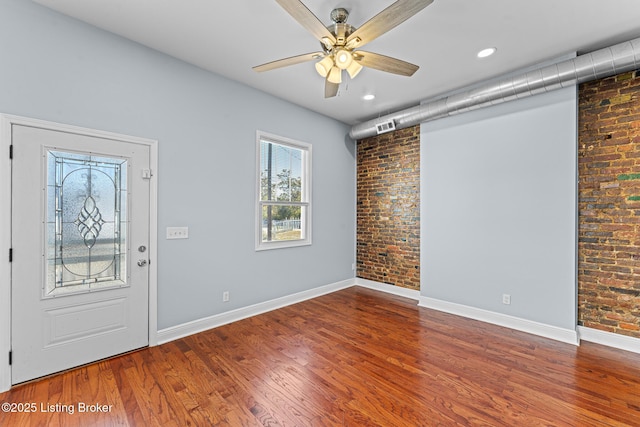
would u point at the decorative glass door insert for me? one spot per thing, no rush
(86, 224)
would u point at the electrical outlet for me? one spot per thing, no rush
(177, 233)
(506, 299)
(225, 296)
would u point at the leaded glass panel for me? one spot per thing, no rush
(86, 222)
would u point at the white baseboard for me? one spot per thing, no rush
(553, 332)
(390, 289)
(621, 342)
(200, 325)
(569, 336)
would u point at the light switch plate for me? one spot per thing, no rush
(177, 233)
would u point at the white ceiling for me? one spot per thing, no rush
(230, 37)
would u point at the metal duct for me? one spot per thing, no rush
(605, 62)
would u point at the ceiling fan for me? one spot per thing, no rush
(340, 42)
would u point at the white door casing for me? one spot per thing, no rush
(61, 329)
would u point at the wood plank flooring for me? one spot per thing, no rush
(352, 358)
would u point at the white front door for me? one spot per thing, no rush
(79, 233)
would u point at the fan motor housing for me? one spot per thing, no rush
(340, 29)
(341, 32)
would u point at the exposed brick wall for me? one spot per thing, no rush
(388, 211)
(609, 204)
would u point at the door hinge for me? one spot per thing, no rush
(11, 151)
(10, 254)
(10, 357)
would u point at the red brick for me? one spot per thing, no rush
(608, 248)
(388, 209)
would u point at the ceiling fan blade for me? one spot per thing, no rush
(288, 61)
(388, 19)
(307, 19)
(385, 63)
(330, 89)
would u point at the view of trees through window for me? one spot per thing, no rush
(281, 191)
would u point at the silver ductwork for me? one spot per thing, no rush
(605, 62)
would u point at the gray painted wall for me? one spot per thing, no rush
(498, 196)
(58, 69)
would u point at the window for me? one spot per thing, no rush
(86, 223)
(283, 208)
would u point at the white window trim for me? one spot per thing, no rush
(306, 191)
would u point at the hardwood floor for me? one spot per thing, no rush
(356, 358)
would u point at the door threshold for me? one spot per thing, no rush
(66, 371)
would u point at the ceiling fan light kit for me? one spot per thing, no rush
(324, 66)
(339, 41)
(354, 68)
(343, 58)
(335, 75)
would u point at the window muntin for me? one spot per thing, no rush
(284, 196)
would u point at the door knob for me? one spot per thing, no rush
(142, 262)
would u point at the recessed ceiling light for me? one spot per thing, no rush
(369, 97)
(487, 52)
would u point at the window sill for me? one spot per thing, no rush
(265, 246)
